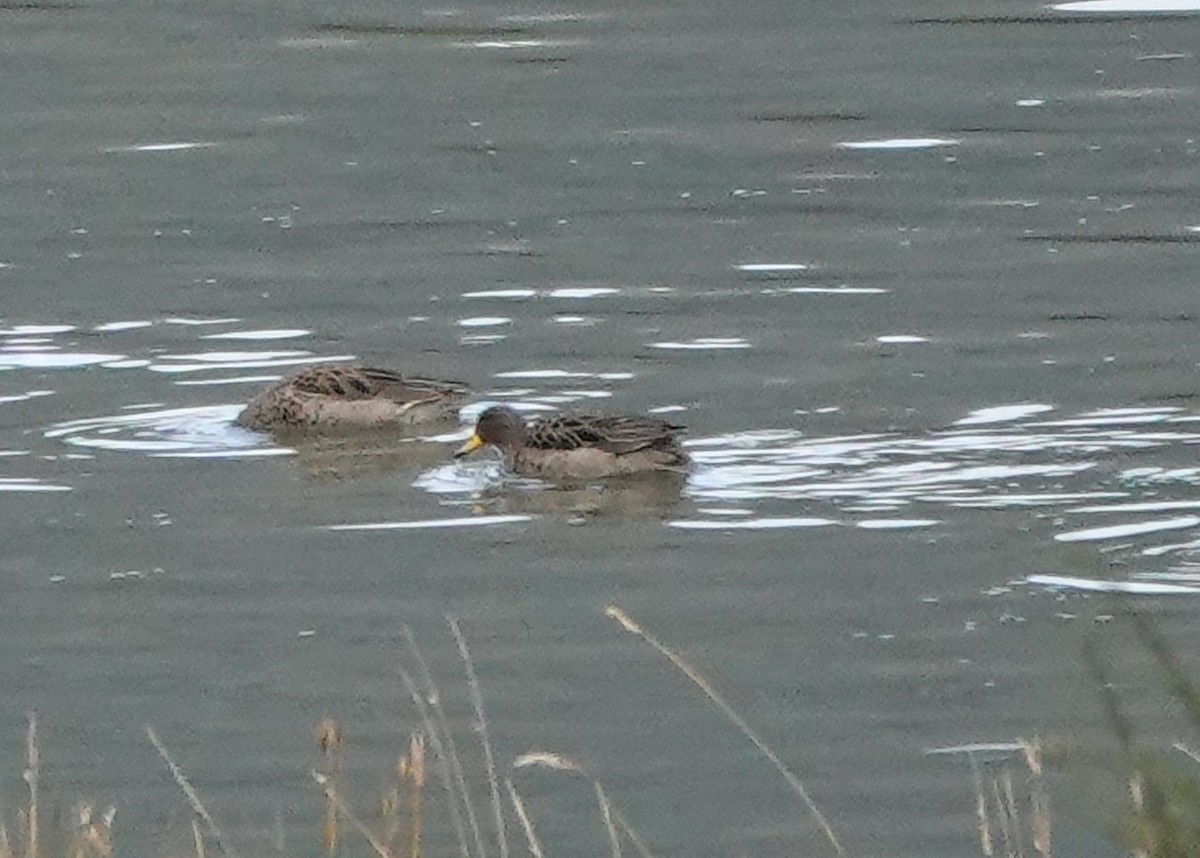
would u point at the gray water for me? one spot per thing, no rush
(915, 374)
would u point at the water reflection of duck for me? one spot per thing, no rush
(650, 494)
(579, 446)
(327, 456)
(351, 397)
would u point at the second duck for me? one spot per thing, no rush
(579, 446)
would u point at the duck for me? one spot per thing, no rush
(579, 446)
(351, 396)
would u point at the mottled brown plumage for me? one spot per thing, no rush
(341, 397)
(579, 446)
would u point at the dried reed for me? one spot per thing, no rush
(413, 772)
(192, 796)
(329, 742)
(609, 814)
(481, 726)
(32, 769)
(697, 678)
(343, 810)
(435, 701)
(531, 838)
(440, 756)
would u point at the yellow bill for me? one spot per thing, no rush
(471, 446)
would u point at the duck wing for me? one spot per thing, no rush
(363, 382)
(619, 434)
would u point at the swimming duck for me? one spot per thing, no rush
(351, 397)
(579, 446)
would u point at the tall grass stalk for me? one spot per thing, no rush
(531, 837)
(329, 742)
(343, 810)
(32, 770)
(697, 678)
(435, 702)
(609, 814)
(440, 756)
(481, 725)
(192, 796)
(414, 773)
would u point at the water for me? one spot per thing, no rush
(918, 281)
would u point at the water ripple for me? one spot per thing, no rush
(200, 432)
(1021, 464)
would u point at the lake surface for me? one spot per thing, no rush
(919, 278)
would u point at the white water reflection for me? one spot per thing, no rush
(28, 484)
(1014, 463)
(266, 334)
(206, 431)
(27, 330)
(434, 523)
(562, 373)
(583, 291)
(512, 294)
(34, 357)
(484, 321)
(506, 43)
(1126, 7)
(704, 344)
(27, 395)
(204, 361)
(828, 290)
(1002, 414)
(186, 320)
(113, 327)
(1098, 585)
(164, 147)
(751, 523)
(772, 267)
(573, 292)
(1124, 531)
(900, 143)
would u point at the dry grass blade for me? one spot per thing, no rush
(92, 836)
(1013, 810)
(606, 814)
(443, 764)
(414, 773)
(1186, 751)
(1119, 723)
(344, 810)
(535, 845)
(329, 742)
(636, 839)
(32, 768)
(435, 701)
(192, 796)
(981, 811)
(698, 679)
(482, 726)
(198, 839)
(6, 850)
(609, 814)
(1179, 682)
(1039, 798)
(1003, 819)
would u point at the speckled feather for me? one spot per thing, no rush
(350, 397)
(619, 435)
